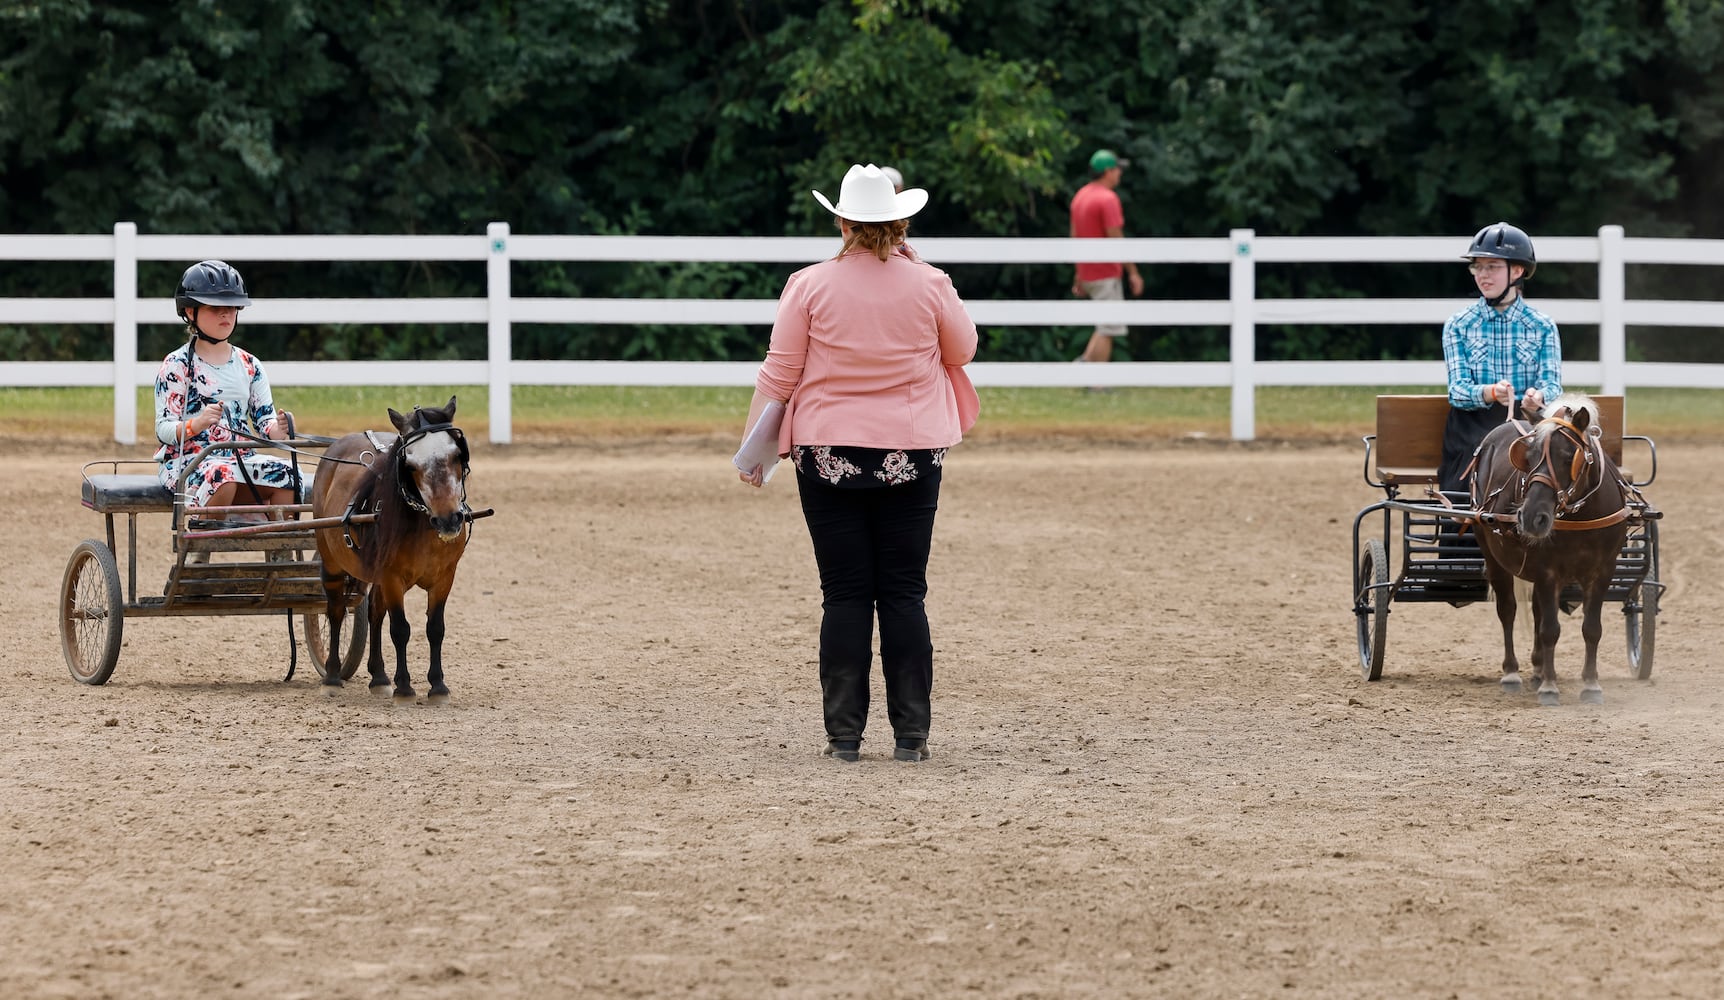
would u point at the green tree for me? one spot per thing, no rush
(1330, 117)
(984, 133)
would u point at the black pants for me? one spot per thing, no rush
(871, 545)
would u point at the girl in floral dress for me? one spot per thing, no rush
(207, 390)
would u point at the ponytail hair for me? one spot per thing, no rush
(878, 238)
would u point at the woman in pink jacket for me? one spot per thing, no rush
(867, 354)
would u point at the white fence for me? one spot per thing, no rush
(1612, 312)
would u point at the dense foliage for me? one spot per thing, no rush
(1330, 117)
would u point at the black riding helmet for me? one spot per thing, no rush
(1505, 242)
(210, 283)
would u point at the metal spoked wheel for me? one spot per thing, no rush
(1641, 612)
(1371, 607)
(92, 613)
(354, 631)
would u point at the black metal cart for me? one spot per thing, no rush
(1439, 565)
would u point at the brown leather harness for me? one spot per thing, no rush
(1589, 457)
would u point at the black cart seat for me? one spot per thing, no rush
(126, 494)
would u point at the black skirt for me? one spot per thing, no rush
(1462, 435)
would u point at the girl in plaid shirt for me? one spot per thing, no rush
(1498, 349)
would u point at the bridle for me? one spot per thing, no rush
(404, 487)
(404, 479)
(1585, 477)
(1588, 458)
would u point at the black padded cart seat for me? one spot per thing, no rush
(126, 494)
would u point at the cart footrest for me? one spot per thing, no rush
(1443, 592)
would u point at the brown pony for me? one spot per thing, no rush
(415, 485)
(1553, 509)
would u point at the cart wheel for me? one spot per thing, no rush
(1371, 608)
(317, 641)
(92, 613)
(1641, 611)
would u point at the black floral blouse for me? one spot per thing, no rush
(863, 468)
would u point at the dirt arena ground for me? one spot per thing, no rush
(1157, 771)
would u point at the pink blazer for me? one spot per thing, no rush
(870, 353)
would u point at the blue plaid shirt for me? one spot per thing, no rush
(1484, 346)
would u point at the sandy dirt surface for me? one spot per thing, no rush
(1156, 772)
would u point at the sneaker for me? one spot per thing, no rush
(848, 751)
(911, 750)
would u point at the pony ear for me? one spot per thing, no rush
(1581, 418)
(398, 420)
(1517, 453)
(450, 410)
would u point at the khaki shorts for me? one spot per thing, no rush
(1106, 290)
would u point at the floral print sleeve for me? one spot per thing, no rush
(171, 385)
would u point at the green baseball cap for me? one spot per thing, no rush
(1106, 159)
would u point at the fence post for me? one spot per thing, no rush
(125, 332)
(1612, 291)
(498, 331)
(1243, 344)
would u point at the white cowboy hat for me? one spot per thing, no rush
(867, 196)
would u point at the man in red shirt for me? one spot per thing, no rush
(1096, 214)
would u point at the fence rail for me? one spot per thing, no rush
(1241, 312)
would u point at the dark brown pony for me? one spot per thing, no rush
(1553, 510)
(415, 485)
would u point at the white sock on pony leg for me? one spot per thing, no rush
(1524, 636)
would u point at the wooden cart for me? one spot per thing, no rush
(221, 566)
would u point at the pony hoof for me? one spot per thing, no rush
(1592, 696)
(1548, 698)
(332, 690)
(1511, 683)
(404, 697)
(378, 690)
(437, 698)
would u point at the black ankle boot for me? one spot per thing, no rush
(912, 750)
(849, 751)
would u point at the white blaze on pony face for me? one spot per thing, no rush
(434, 461)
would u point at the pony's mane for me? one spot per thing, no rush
(379, 479)
(1573, 402)
(378, 492)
